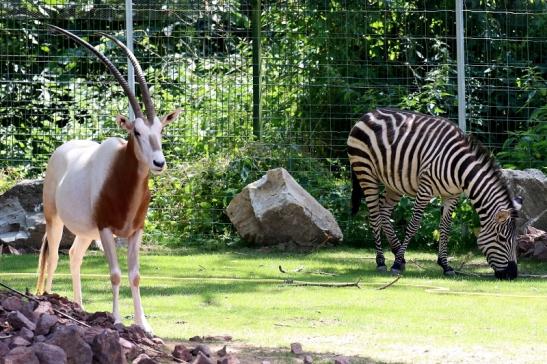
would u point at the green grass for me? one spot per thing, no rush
(423, 317)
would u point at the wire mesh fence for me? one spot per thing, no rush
(322, 63)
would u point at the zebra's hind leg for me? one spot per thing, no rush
(422, 200)
(387, 204)
(446, 221)
(372, 198)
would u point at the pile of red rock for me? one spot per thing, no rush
(533, 244)
(35, 331)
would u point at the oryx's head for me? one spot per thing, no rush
(145, 129)
(497, 240)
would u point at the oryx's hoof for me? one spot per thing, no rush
(381, 269)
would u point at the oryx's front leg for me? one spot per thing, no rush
(109, 246)
(133, 246)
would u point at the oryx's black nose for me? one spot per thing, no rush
(159, 164)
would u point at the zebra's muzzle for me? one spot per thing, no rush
(509, 273)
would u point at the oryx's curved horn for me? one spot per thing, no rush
(123, 83)
(148, 104)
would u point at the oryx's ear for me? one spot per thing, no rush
(124, 122)
(502, 215)
(517, 203)
(172, 116)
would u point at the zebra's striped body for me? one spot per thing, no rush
(424, 156)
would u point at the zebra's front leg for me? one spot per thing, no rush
(446, 221)
(422, 199)
(372, 198)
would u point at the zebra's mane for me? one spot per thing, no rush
(482, 153)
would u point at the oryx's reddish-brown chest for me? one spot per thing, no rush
(123, 201)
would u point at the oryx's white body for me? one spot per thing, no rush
(99, 191)
(76, 174)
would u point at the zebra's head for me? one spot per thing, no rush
(497, 240)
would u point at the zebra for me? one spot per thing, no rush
(425, 156)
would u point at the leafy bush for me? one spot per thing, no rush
(526, 149)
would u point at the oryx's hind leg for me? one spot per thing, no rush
(76, 253)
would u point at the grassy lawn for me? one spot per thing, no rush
(422, 317)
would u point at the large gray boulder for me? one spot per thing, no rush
(276, 210)
(22, 222)
(531, 185)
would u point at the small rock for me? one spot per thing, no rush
(26, 334)
(45, 323)
(197, 339)
(218, 338)
(143, 359)
(158, 341)
(130, 350)
(43, 307)
(69, 339)
(19, 341)
(17, 320)
(4, 348)
(39, 338)
(222, 351)
(90, 334)
(101, 319)
(107, 349)
(308, 359)
(202, 348)
(229, 359)
(21, 355)
(341, 360)
(49, 354)
(296, 348)
(118, 326)
(203, 359)
(12, 303)
(182, 352)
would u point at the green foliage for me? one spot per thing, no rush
(9, 176)
(526, 149)
(190, 199)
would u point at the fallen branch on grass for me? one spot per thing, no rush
(319, 284)
(469, 274)
(486, 275)
(525, 275)
(390, 283)
(319, 272)
(416, 263)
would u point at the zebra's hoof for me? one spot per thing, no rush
(450, 273)
(381, 269)
(395, 272)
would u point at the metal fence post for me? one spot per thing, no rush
(257, 79)
(460, 64)
(129, 41)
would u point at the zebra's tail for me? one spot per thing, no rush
(356, 194)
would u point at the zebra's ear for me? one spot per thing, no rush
(502, 215)
(517, 203)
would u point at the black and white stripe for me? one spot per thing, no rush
(424, 156)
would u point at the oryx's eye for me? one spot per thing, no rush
(137, 134)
